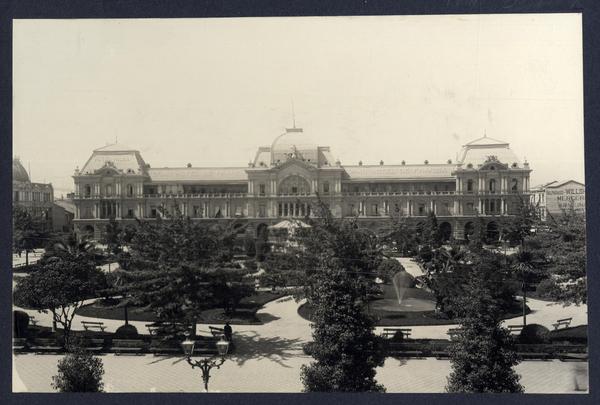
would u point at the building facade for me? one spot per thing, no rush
(556, 198)
(35, 197)
(284, 179)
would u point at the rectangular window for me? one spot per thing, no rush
(153, 212)
(15, 196)
(129, 213)
(421, 209)
(262, 211)
(375, 209)
(262, 189)
(326, 187)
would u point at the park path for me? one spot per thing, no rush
(269, 357)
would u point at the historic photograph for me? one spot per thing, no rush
(299, 204)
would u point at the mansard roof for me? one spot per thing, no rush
(480, 150)
(400, 172)
(116, 156)
(198, 174)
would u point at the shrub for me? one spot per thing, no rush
(126, 332)
(534, 334)
(79, 371)
(388, 268)
(547, 288)
(21, 323)
(308, 348)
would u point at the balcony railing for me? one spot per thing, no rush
(394, 193)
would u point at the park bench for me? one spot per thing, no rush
(128, 346)
(19, 344)
(389, 333)
(161, 347)
(46, 345)
(453, 332)
(534, 355)
(216, 332)
(93, 345)
(566, 322)
(93, 325)
(152, 328)
(206, 347)
(573, 356)
(514, 329)
(441, 354)
(166, 328)
(409, 353)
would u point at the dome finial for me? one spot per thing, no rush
(293, 115)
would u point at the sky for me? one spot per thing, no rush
(211, 91)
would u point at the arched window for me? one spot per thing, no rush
(492, 186)
(108, 190)
(514, 185)
(469, 185)
(129, 190)
(294, 185)
(87, 190)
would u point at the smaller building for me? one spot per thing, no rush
(35, 197)
(556, 198)
(63, 213)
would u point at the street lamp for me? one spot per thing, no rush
(205, 364)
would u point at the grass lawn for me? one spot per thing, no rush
(245, 314)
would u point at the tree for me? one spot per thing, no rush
(177, 269)
(388, 268)
(28, 232)
(340, 261)
(281, 270)
(79, 371)
(483, 354)
(112, 236)
(69, 248)
(60, 286)
(560, 249)
(400, 234)
(430, 234)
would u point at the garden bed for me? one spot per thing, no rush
(410, 317)
(244, 315)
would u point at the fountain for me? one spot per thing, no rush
(402, 296)
(401, 281)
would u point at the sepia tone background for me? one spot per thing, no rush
(209, 91)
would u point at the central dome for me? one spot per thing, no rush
(294, 144)
(18, 171)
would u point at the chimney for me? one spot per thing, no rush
(360, 162)
(381, 163)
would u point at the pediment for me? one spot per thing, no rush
(295, 168)
(109, 169)
(492, 163)
(295, 163)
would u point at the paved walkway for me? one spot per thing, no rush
(268, 359)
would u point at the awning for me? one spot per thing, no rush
(287, 224)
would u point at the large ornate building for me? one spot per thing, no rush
(284, 179)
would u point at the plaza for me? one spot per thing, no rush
(273, 351)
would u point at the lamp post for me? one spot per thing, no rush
(206, 364)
